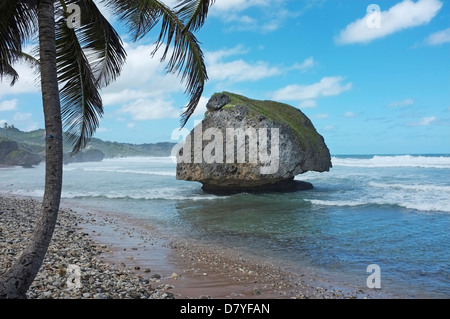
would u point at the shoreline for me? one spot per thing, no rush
(154, 265)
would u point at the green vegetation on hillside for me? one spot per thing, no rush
(34, 142)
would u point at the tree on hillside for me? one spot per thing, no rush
(75, 62)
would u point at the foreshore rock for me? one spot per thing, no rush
(12, 155)
(245, 145)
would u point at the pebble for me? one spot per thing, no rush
(69, 246)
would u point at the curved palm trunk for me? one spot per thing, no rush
(16, 282)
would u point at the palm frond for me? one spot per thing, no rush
(7, 70)
(81, 104)
(140, 16)
(194, 13)
(104, 42)
(17, 24)
(187, 57)
(88, 57)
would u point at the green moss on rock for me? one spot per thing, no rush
(278, 112)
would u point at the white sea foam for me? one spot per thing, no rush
(129, 171)
(417, 204)
(418, 188)
(24, 192)
(139, 159)
(394, 161)
(167, 193)
(336, 202)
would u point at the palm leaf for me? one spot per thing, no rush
(194, 13)
(17, 24)
(140, 16)
(187, 57)
(7, 70)
(88, 58)
(109, 56)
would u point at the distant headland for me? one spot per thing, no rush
(27, 149)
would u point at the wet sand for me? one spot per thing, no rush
(199, 270)
(162, 265)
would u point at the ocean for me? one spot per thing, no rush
(392, 211)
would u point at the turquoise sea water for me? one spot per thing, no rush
(393, 211)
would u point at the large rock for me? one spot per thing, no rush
(245, 145)
(11, 154)
(6, 147)
(22, 158)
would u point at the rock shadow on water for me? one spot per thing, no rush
(287, 186)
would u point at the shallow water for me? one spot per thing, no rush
(393, 211)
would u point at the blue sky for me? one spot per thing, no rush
(369, 86)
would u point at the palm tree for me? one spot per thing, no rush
(75, 63)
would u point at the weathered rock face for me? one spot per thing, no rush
(7, 147)
(10, 154)
(245, 145)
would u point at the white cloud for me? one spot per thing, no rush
(406, 14)
(321, 116)
(28, 81)
(126, 95)
(239, 70)
(144, 90)
(349, 114)
(144, 109)
(103, 130)
(212, 57)
(8, 105)
(327, 86)
(270, 16)
(20, 117)
(24, 121)
(427, 120)
(424, 121)
(222, 6)
(305, 65)
(142, 76)
(406, 102)
(439, 37)
(307, 104)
